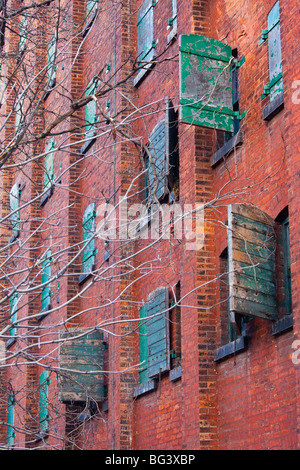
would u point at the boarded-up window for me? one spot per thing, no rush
(206, 83)
(275, 86)
(14, 201)
(154, 335)
(81, 366)
(13, 314)
(23, 34)
(10, 432)
(46, 276)
(161, 160)
(251, 258)
(88, 231)
(48, 164)
(91, 9)
(91, 112)
(51, 70)
(44, 417)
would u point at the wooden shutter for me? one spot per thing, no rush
(13, 314)
(90, 113)
(88, 230)
(251, 255)
(23, 34)
(143, 346)
(158, 332)
(275, 86)
(14, 200)
(46, 275)
(81, 364)
(48, 162)
(146, 31)
(206, 83)
(10, 433)
(162, 148)
(287, 265)
(43, 401)
(51, 61)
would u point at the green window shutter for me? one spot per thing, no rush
(44, 401)
(91, 8)
(13, 314)
(206, 83)
(10, 433)
(23, 34)
(143, 346)
(287, 266)
(51, 72)
(81, 366)
(275, 86)
(48, 164)
(145, 26)
(173, 20)
(46, 275)
(162, 148)
(158, 332)
(88, 230)
(14, 200)
(251, 255)
(91, 112)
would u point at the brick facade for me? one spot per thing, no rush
(247, 399)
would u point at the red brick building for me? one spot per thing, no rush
(149, 214)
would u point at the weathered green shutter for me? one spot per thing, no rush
(162, 147)
(206, 83)
(251, 255)
(13, 314)
(81, 366)
(275, 86)
(91, 6)
(287, 266)
(14, 200)
(10, 433)
(51, 71)
(143, 346)
(145, 26)
(158, 332)
(90, 112)
(44, 401)
(48, 162)
(46, 275)
(88, 230)
(23, 34)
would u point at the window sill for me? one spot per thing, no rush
(41, 436)
(46, 196)
(143, 72)
(144, 388)
(14, 236)
(10, 342)
(175, 374)
(89, 23)
(231, 348)
(219, 156)
(282, 326)
(83, 277)
(273, 108)
(172, 35)
(43, 313)
(50, 87)
(87, 145)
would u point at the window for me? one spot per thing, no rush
(13, 318)
(90, 111)
(10, 433)
(161, 159)
(23, 34)
(51, 70)
(48, 170)
(146, 43)
(46, 276)
(275, 86)
(19, 112)
(172, 23)
(91, 10)
(283, 260)
(79, 387)
(207, 72)
(44, 417)
(159, 334)
(88, 232)
(14, 201)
